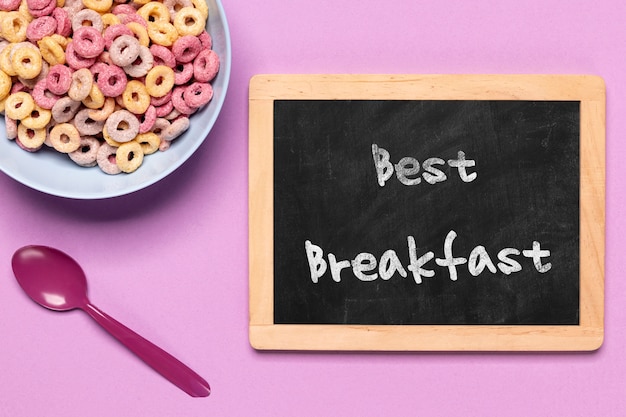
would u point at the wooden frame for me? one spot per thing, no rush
(588, 335)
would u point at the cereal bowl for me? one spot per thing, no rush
(54, 173)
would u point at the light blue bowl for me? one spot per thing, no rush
(54, 173)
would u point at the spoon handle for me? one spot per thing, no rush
(171, 368)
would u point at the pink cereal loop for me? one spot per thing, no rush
(38, 8)
(198, 94)
(88, 42)
(159, 101)
(149, 118)
(11, 127)
(41, 27)
(43, 100)
(162, 56)
(206, 66)
(178, 100)
(127, 18)
(123, 9)
(186, 48)
(112, 80)
(74, 60)
(164, 109)
(113, 32)
(59, 79)
(64, 24)
(10, 5)
(205, 40)
(183, 73)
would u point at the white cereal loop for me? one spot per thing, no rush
(106, 159)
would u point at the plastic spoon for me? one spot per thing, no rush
(55, 280)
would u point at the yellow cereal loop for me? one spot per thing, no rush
(135, 97)
(162, 33)
(202, 7)
(14, 27)
(100, 115)
(140, 33)
(154, 12)
(5, 84)
(95, 99)
(129, 156)
(51, 51)
(61, 40)
(159, 80)
(5, 60)
(109, 19)
(23, 10)
(60, 3)
(29, 137)
(64, 137)
(100, 6)
(26, 62)
(189, 21)
(2, 105)
(140, 2)
(108, 139)
(149, 142)
(19, 105)
(38, 118)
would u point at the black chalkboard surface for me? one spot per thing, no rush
(424, 213)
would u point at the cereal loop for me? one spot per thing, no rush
(5, 84)
(162, 33)
(149, 142)
(88, 42)
(122, 126)
(189, 21)
(65, 138)
(41, 27)
(105, 158)
(64, 109)
(26, 60)
(162, 56)
(51, 51)
(59, 79)
(113, 32)
(139, 32)
(206, 66)
(95, 99)
(31, 138)
(154, 12)
(75, 60)
(85, 125)
(159, 81)
(43, 98)
(124, 50)
(100, 6)
(143, 63)
(80, 87)
(14, 26)
(87, 152)
(129, 156)
(103, 113)
(38, 118)
(19, 105)
(198, 94)
(87, 17)
(135, 97)
(186, 48)
(112, 80)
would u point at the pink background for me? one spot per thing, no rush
(171, 261)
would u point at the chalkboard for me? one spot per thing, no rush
(455, 213)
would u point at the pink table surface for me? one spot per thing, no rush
(171, 261)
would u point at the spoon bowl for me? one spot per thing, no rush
(56, 281)
(50, 277)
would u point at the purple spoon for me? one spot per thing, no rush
(55, 280)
